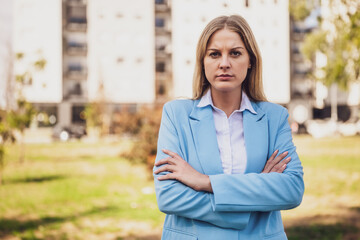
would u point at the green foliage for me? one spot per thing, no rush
(93, 114)
(19, 56)
(146, 144)
(341, 47)
(314, 42)
(126, 122)
(5, 136)
(24, 78)
(299, 9)
(22, 116)
(40, 64)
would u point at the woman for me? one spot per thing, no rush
(218, 172)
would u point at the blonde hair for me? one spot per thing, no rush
(252, 84)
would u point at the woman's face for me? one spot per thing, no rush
(226, 61)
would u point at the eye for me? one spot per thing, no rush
(214, 54)
(235, 53)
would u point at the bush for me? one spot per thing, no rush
(145, 145)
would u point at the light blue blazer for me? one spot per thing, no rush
(242, 206)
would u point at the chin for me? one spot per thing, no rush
(226, 88)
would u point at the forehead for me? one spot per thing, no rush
(225, 38)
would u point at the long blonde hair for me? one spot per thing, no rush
(252, 84)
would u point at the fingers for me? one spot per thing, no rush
(165, 168)
(282, 165)
(170, 153)
(167, 177)
(273, 155)
(168, 160)
(274, 164)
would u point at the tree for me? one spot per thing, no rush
(299, 9)
(20, 116)
(5, 136)
(95, 114)
(337, 43)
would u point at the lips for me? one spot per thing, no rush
(224, 76)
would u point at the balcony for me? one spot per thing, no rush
(163, 76)
(76, 2)
(76, 49)
(76, 19)
(162, 26)
(76, 24)
(75, 91)
(162, 6)
(76, 72)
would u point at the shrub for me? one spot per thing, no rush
(145, 146)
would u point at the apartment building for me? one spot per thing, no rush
(93, 50)
(132, 52)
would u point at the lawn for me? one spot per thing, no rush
(86, 191)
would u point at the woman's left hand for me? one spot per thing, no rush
(181, 171)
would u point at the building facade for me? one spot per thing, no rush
(133, 53)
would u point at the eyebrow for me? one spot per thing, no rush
(215, 49)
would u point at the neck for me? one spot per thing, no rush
(226, 101)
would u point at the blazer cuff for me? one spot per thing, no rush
(218, 192)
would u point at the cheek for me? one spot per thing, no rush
(208, 69)
(242, 67)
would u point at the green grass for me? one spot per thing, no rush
(331, 204)
(86, 191)
(63, 186)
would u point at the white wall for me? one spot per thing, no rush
(121, 50)
(269, 22)
(38, 34)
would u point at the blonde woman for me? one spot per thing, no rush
(226, 164)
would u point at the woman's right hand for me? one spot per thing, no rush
(276, 164)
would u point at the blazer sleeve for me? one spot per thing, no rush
(264, 191)
(173, 197)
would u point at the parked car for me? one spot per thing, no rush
(65, 133)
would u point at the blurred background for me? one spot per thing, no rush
(83, 82)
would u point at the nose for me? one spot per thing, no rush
(224, 63)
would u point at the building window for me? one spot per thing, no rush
(159, 22)
(75, 67)
(161, 89)
(78, 114)
(160, 47)
(160, 67)
(159, 1)
(76, 15)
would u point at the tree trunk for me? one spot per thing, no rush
(333, 102)
(22, 149)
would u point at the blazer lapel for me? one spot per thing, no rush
(256, 139)
(204, 136)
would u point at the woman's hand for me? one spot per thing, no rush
(181, 171)
(274, 164)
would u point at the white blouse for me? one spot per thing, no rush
(230, 134)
